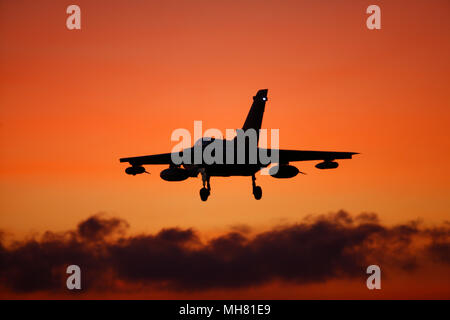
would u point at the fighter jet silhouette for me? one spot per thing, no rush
(240, 161)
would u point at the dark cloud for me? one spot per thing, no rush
(241, 228)
(318, 249)
(177, 235)
(96, 228)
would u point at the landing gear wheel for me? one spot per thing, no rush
(257, 192)
(204, 194)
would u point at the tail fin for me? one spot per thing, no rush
(255, 115)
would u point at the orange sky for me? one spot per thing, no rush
(73, 102)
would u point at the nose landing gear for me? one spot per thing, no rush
(206, 190)
(257, 191)
(204, 194)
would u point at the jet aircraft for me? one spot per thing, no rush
(247, 166)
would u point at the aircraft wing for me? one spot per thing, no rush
(163, 158)
(285, 156)
(306, 155)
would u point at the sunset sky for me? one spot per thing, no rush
(73, 102)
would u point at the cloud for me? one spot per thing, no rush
(318, 249)
(96, 228)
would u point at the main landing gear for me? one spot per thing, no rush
(206, 190)
(257, 191)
